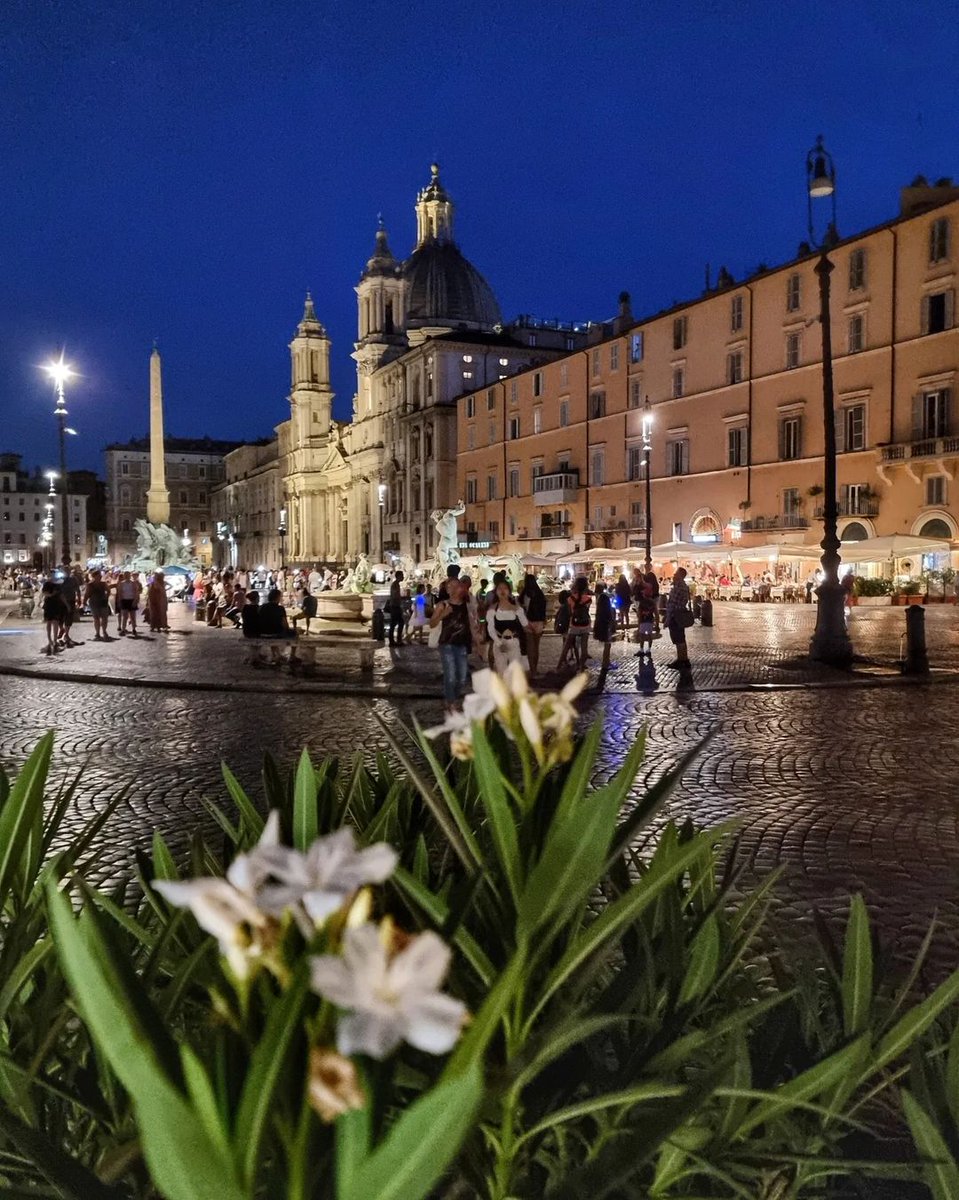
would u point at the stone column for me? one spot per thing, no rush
(158, 497)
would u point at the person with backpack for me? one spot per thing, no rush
(577, 639)
(679, 617)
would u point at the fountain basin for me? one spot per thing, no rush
(339, 606)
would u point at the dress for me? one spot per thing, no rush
(507, 631)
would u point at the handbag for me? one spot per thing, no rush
(685, 618)
(433, 637)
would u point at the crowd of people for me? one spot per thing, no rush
(492, 623)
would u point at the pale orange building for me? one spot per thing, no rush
(552, 459)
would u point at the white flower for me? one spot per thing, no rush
(227, 913)
(477, 706)
(389, 999)
(314, 885)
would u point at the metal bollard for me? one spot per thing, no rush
(706, 615)
(916, 661)
(697, 607)
(378, 625)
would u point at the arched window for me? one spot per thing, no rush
(854, 532)
(705, 526)
(936, 528)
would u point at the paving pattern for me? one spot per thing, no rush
(847, 788)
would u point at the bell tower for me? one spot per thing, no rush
(434, 211)
(380, 294)
(311, 398)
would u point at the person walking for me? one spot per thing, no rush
(395, 609)
(604, 625)
(52, 611)
(679, 617)
(506, 625)
(128, 601)
(97, 598)
(534, 603)
(624, 600)
(580, 599)
(647, 622)
(456, 641)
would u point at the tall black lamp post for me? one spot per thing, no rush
(381, 498)
(281, 530)
(59, 373)
(830, 641)
(647, 452)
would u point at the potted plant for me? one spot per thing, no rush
(948, 579)
(910, 592)
(815, 490)
(935, 589)
(872, 593)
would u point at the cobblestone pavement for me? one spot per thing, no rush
(846, 789)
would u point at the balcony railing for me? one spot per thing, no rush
(560, 487)
(937, 447)
(477, 539)
(777, 521)
(853, 508)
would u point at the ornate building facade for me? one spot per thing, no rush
(429, 329)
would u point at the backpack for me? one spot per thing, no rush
(580, 617)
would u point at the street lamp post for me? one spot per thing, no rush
(281, 530)
(59, 372)
(647, 452)
(381, 497)
(830, 641)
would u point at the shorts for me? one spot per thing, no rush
(677, 633)
(645, 629)
(578, 631)
(128, 605)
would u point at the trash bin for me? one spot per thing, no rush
(706, 613)
(697, 607)
(378, 625)
(200, 614)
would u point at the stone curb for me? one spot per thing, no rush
(412, 691)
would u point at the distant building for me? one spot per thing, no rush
(429, 328)
(734, 380)
(246, 507)
(24, 497)
(194, 467)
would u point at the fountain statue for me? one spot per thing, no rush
(360, 579)
(447, 545)
(158, 546)
(515, 570)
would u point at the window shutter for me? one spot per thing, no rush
(950, 307)
(782, 439)
(799, 431)
(917, 417)
(946, 412)
(844, 496)
(840, 423)
(924, 316)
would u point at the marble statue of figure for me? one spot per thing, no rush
(360, 579)
(447, 546)
(515, 570)
(484, 568)
(546, 582)
(158, 546)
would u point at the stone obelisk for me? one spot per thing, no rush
(158, 496)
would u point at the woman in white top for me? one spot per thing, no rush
(506, 625)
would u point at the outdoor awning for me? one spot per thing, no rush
(582, 557)
(775, 551)
(540, 560)
(893, 546)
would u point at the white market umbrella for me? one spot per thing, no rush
(892, 546)
(540, 560)
(583, 557)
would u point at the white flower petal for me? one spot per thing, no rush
(530, 722)
(516, 680)
(374, 864)
(574, 687)
(421, 967)
(435, 1023)
(369, 1033)
(331, 978)
(320, 905)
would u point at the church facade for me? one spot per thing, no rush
(429, 330)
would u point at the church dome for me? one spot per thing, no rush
(382, 261)
(444, 288)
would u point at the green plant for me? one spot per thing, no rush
(912, 587)
(816, 490)
(872, 587)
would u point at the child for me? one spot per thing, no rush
(647, 621)
(419, 615)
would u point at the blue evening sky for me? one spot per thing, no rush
(186, 171)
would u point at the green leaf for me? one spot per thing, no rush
(502, 820)
(939, 1168)
(473, 1044)
(353, 1132)
(421, 1144)
(305, 789)
(439, 913)
(70, 1178)
(249, 815)
(914, 1023)
(703, 961)
(576, 789)
(21, 818)
(857, 969)
(163, 865)
(263, 1075)
(642, 1093)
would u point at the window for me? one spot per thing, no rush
(854, 499)
(637, 518)
(471, 437)
(512, 525)
(512, 390)
(491, 400)
(636, 393)
(931, 414)
(183, 499)
(597, 405)
(597, 469)
(597, 516)
(492, 433)
(736, 314)
(471, 490)
(124, 468)
(790, 438)
(634, 463)
(614, 356)
(597, 365)
(680, 330)
(513, 481)
(538, 383)
(939, 240)
(936, 489)
(679, 381)
(792, 293)
(857, 270)
(636, 348)
(793, 350)
(937, 312)
(490, 487)
(677, 457)
(734, 367)
(513, 428)
(792, 504)
(851, 434)
(203, 526)
(564, 374)
(535, 471)
(736, 446)
(467, 358)
(538, 419)
(563, 413)
(857, 333)
(471, 406)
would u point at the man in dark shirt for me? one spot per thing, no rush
(250, 616)
(395, 609)
(456, 641)
(273, 622)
